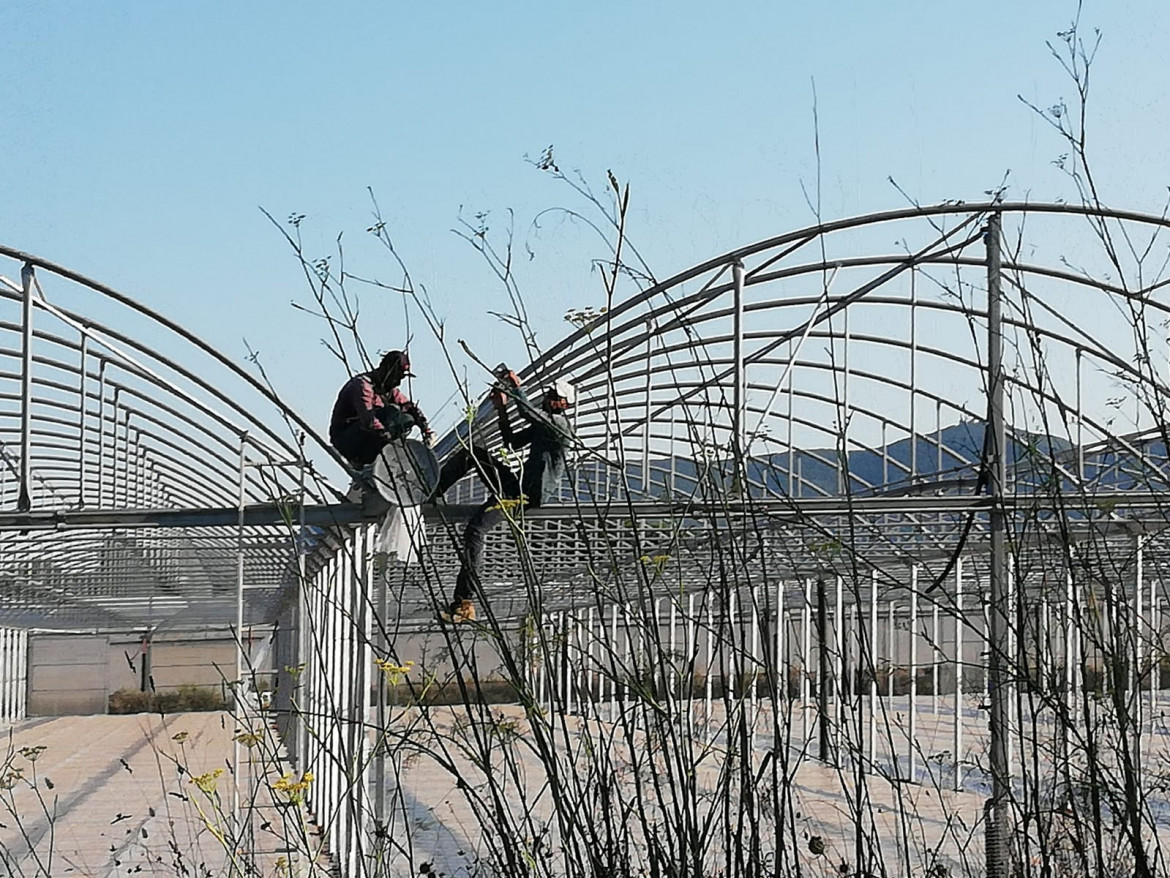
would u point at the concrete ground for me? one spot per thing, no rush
(140, 795)
(926, 827)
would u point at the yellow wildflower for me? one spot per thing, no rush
(394, 673)
(206, 782)
(507, 505)
(250, 738)
(11, 778)
(294, 789)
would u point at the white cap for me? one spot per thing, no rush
(564, 390)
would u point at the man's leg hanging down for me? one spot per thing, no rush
(467, 583)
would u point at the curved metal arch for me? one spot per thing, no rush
(811, 233)
(648, 340)
(178, 330)
(103, 335)
(123, 427)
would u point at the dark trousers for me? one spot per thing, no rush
(361, 446)
(501, 483)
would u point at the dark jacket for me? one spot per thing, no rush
(359, 402)
(547, 437)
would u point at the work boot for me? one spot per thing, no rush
(459, 611)
(361, 484)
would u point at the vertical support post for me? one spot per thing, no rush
(892, 643)
(125, 480)
(692, 650)
(838, 664)
(913, 714)
(959, 666)
(873, 661)
(1069, 649)
(1155, 665)
(781, 692)
(594, 642)
(938, 443)
(791, 452)
(613, 662)
(1135, 674)
(756, 661)
(935, 656)
(730, 659)
(82, 419)
(843, 485)
(998, 825)
(670, 684)
(1018, 663)
(101, 461)
(885, 456)
(646, 420)
(27, 279)
(238, 689)
(1044, 671)
(673, 487)
(824, 727)
(1080, 424)
(805, 647)
(738, 419)
(913, 374)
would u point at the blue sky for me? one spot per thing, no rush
(141, 139)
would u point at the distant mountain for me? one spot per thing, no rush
(816, 471)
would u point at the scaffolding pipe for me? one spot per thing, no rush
(999, 646)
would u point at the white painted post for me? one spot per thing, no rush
(805, 658)
(7, 675)
(730, 667)
(873, 661)
(613, 661)
(1069, 645)
(1014, 659)
(1044, 652)
(710, 650)
(852, 656)
(568, 634)
(839, 660)
(935, 657)
(675, 671)
(959, 667)
(1136, 667)
(692, 653)
(781, 693)
(892, 640)
(1155, 669)
(661, 664)
(986, 646)
(910, 755)
(629, 664)
(754, 663)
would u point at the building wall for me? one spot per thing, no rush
(74, 674)
(67, 674)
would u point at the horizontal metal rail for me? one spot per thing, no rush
(779, 509)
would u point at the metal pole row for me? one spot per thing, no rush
(841, 661)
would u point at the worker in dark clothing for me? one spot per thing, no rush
(370, 411)
(547, 436)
